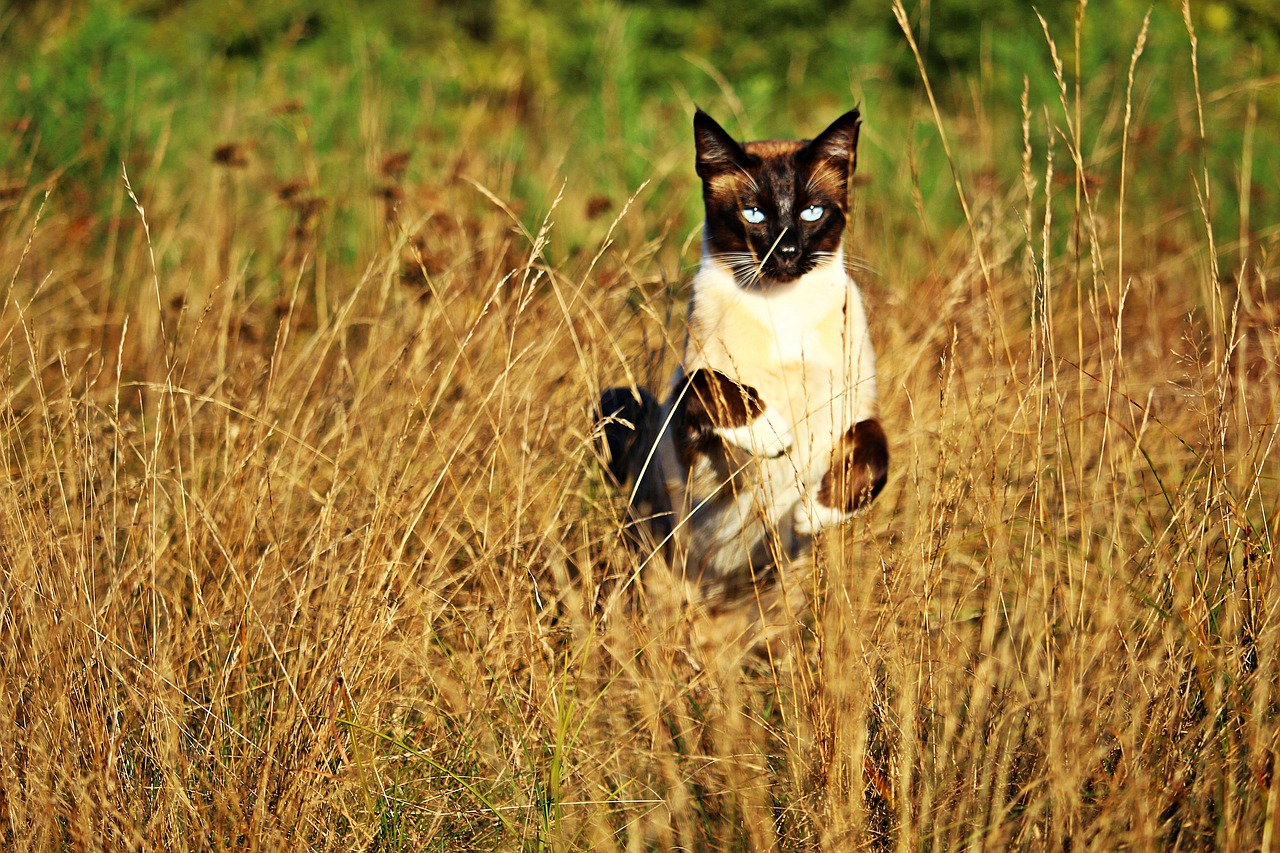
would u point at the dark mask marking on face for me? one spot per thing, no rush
(775, 209)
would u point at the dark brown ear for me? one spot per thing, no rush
(838, 144)
(717, 151)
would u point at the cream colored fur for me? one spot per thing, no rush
(804, 347)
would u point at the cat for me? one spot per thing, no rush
(769, 432)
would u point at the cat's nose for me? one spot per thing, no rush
(788, 248)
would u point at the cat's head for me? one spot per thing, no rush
(775, 209)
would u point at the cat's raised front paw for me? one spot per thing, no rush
(713, 403)
(811, 516)
(767, 436)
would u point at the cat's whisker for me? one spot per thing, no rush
(850, 263)
(745, 266)
(749, 178)
(811, 185)
(859, 265)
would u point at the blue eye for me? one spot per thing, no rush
(812, 213)
(754, 215)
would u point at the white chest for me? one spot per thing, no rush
(786, 325)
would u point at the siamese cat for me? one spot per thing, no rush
(768, 433)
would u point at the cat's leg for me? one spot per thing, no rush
(712, 404)
(621, 416)
(637, 451)
(859, 468)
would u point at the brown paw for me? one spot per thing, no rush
(715, 409)
(859, 470)
(714, 401)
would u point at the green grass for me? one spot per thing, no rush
(304, 541)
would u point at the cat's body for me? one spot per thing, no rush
(768, 433)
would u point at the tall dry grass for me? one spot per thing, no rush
(327, 561)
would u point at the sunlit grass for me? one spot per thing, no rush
(306, 546)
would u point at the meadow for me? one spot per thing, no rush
(304, 537)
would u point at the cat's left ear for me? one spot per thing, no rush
(838, 144)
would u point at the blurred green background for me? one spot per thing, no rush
(530, 97)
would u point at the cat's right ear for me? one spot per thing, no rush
(838, 144)
(717, 151)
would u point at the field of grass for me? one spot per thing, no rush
(303, 537)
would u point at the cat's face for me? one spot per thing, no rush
(776, 209)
